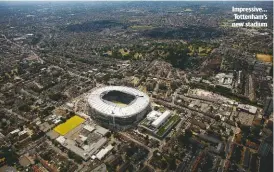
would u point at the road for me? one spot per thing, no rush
(185, 77)
(150, 154)
(57, 150)
(185, 108)
(174, 96)
(16, 114)
(133, 140)
(24, 48)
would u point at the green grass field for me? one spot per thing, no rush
(170, 122)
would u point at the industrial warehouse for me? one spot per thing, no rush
(118, 107)
(82, 137)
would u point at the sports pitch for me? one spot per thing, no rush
(120, 104)
(69, 125)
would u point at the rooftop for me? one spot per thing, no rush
(137, 105)
(70, 124)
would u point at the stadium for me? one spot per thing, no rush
(118, 107)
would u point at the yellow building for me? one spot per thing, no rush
(69, 125)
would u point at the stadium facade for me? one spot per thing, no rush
(118, 107)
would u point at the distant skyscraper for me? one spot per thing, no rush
(268, 106)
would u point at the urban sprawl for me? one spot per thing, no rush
(134, 86)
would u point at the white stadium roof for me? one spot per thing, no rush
(136, 106)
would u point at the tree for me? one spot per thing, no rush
(184, 138)
(194, 148)
(174, 85)
(162, 86)
(116, 54)
(217, 118)
(163, 164)
(172, 163)
(56, 96)
(188, 133)
(208, 165)
(130, 151)
(24, 108)
(146, 137)
(63, 119)
(77, 158)
(9, 154)
(168, 139)
(37, 135)
(256, 130)
(108, 135)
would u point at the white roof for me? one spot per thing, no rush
(56, 121)
(153, 115)
(61, 139)
(70, 105)
(89, 128)
(22, 133)
(83, 138)
(38, 122)
(85, 147)
(249, 108)
(140, 103)
(101, 130)
(103, 152)
(223, 75)
(15, 131)
(161, 119)
(83, 115)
